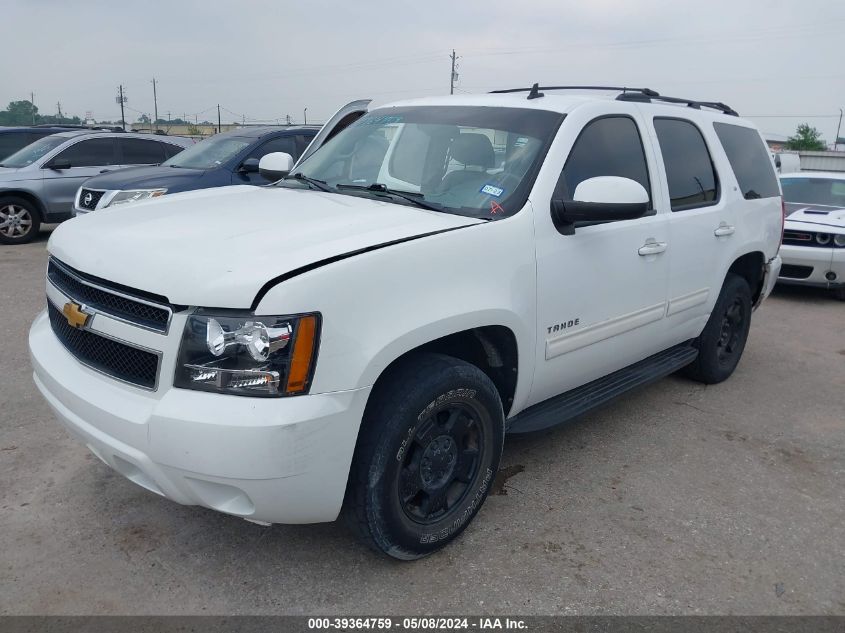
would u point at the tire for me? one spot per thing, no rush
(722, 342)
(839, 293)
(19, 221)
(427, 454)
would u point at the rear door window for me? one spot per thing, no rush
(138, 151)
(690, 173)
(91, 153)
(749, 160)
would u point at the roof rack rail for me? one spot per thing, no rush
(534, 91)
(691, 103)
(644, 95)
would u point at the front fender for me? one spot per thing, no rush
(379, 305)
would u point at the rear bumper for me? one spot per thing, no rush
(770, 275)
(821, 262)
(276, 460)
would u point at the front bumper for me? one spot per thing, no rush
(821, 262)
(275, 460)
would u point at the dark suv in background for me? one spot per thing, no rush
(14, 138)
(224, 159)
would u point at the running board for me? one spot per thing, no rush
(585, 398)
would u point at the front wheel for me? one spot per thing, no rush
(427, 453)
(19, 221)
(722, 342)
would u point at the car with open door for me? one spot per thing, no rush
(358, 338)
(226, 159)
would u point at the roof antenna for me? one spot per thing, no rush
(535, 92)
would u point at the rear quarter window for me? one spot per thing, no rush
(749, 160)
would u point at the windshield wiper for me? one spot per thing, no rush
(316, 184)
(411, 196)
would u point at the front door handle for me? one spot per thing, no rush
(724, 229)
(652, 247)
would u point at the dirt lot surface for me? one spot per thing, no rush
(675, 499)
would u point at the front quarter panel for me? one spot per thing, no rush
(379, 305)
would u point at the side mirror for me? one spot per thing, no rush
(59, 163)
(275, 165)
(600, 199)
(249, 166)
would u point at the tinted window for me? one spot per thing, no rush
(749, 160)
(606, 147)
(92, 153)
(824, 191)
(137, 151)
(285, 144)
(689, 168)
(171, 150)
(12, 142)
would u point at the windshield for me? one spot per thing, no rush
(33, 151)
(824, 191)
(476, 161)
(209, 153)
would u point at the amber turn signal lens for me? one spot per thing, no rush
(303, 354)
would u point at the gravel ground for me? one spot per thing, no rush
(677, 499)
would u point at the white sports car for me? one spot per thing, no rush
(813, 249)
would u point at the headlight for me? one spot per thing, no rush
(135, 195)
(248, 355)
(839, 240)
(822, 239)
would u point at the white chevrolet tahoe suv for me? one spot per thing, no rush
(360, 336)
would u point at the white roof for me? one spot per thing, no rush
(563, 102)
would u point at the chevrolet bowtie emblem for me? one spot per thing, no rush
(75, 314)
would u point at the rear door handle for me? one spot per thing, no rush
(724, 229)
(652, 247)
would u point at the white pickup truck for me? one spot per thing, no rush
(431, 275)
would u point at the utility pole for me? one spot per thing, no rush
(121, 99)
(59, 108)
(305, 115)
(155, 104)
(218, 118)
(32, 103)
(454, 76)
(838, 127)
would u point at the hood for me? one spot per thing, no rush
(145, 178)
(218, 247)
(805, 215)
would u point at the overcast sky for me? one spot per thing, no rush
(263, 59)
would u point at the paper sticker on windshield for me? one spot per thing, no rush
(492, 190)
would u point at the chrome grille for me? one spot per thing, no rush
(110, 301)
(90, 203)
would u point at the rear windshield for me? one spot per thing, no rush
(33, 151)
(825, 191)
(749, 159)
(209, 153)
